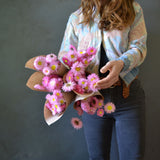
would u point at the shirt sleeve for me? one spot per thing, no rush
(137, 49)
(69, 38)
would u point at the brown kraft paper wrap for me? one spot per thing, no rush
(36, 78)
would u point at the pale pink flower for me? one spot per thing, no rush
(45, 81)
(92, 86)
(54, 66)
(67, 61)
(91, 51)
(83, 82)
(52, 84)
(92, 77)
(51, 57)
(109, 107)
(78, 76)
(100, 112)
(78, 67)
(58, 93)
(100, 103)
(47, 71)
(69, 86)
(86, 61)
(87, 88)
(61, 101)
(81, 53)
(76, 123)
(72, 56)
(52, 99)
(85, 105)
(69, 76)
(39, 87)
(40, 63)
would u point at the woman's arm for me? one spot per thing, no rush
(137, 49)
(133, 57)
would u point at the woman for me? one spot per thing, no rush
(116, 28)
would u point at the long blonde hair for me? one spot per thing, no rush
(115, 14)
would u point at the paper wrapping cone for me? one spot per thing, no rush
(49, 118)
(35, 78)
(30, 64)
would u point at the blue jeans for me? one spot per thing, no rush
(128, 120)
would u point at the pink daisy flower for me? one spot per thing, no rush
(94, 101)
(78, 76)
(100, 112)
(79, 89)
(61, 101)
(69, 76)
(54, 66)
(47, 71)
(92, 110)
(52, 84)
(86, 61)
(59, 108)
(78, 67)
(52, 99)
(69, 86)
(51, 57)
(92, 77)
(66, 61)
(45, 81)
(58, 93)
(81, 53)
(87, 88)
(92, 86)
(83, 82)
(72, 56)
(40, 63)
(109, 107)
(100, 103)
(85, 106)
(91, 51)
(76, 123)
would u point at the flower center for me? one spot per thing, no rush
(78, 68)
(109, 108)
(72, 56)
(39, 63)
(53, 67)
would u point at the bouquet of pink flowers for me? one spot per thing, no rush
(52, 76)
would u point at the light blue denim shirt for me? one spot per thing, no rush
(128, 45)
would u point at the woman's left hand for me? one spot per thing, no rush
(114, 68)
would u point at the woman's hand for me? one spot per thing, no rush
(114, 68)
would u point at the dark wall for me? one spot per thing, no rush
(30, 28)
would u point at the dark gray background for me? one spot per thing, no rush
(33, 27)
